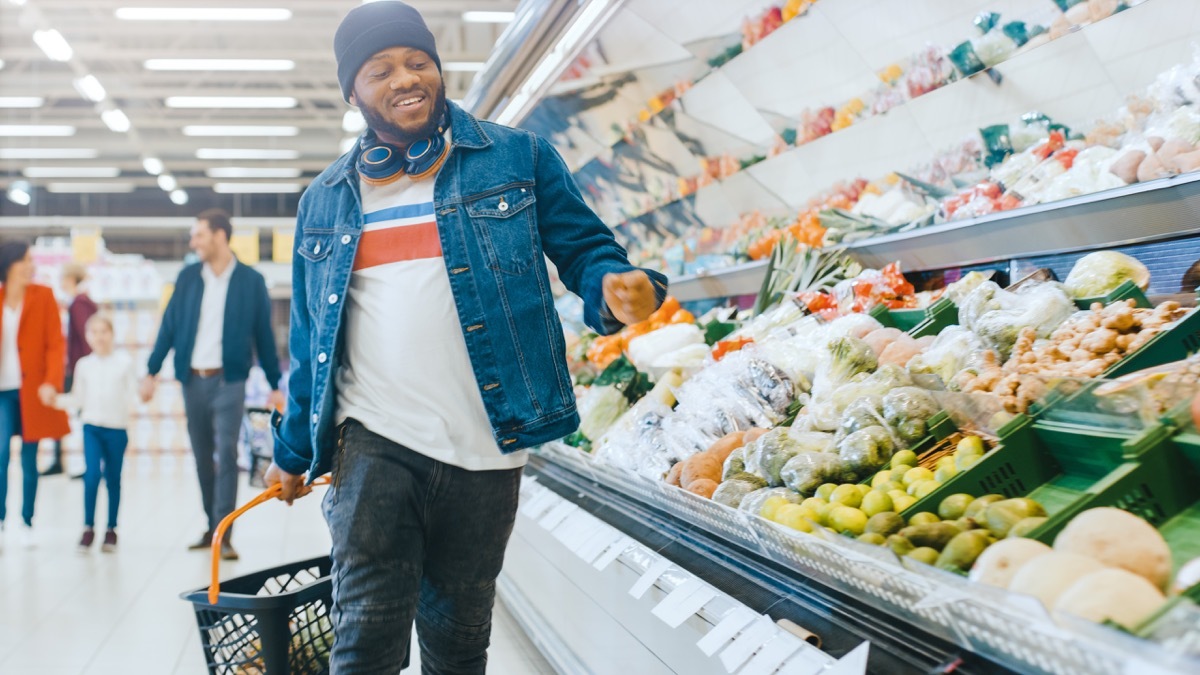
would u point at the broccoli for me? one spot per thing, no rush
(807, 471)
(735, 464)
(732, 492)
(849, 357)
(866, 451)
(908, 403)
(865, 412)
(767, 455)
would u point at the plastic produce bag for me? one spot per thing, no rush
(948, 354)
(644, 350)
(807, 471)
(735, 463)
(766, 456)
(866, 451)
(753, 502)
(862, 413)
(732, 492)
(997, 316)
(1100, 273)
(908, 410)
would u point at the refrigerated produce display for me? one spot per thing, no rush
(928, 379)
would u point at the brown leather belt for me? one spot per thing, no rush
(211, 372)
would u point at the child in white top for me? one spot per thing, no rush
(104, 391)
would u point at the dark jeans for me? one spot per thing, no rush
(214, 410)
(413, 538)
(10, 425)
(104, 452)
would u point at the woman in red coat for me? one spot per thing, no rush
(32, 360)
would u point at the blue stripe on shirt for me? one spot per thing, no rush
(397, 212)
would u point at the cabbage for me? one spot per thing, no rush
(1100, 273)
(600, 409)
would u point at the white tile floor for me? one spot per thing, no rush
(62, 613)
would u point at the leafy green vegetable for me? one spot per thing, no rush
(716, 331)
(627, 379)
(797, 269)
(848, 357)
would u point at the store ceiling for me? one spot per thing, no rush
(120, 53)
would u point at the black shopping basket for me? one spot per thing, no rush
(273, 622)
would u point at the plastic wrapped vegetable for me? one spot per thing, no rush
(849, 357)
(807, 471)
(1100, 273)
(767, 455)
(948, 354)
(754, 501)
(907, 410)
(600, 409)
(865, 412)
(735, 463)
(959, 290)
(866, 451)
(732, 492)
(813, 441)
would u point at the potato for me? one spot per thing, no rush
(1170, 150)
(1151, 168)
(754, 434)
(1186, 162)
(703, 487)
(1115, 594)
(1118, 538)
(879, 339)
(1156, 142)
(899, 352)
(701, 466)
(673, 475)
(1126, 168)
(726, 445)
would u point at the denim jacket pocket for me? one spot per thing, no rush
(504, 222)
(315, 245)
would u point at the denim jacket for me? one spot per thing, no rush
(503, 200)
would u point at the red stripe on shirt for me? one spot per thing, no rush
(398, 244)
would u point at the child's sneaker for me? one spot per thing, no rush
(110, 542)
(85, 542)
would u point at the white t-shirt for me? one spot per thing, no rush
(405, 372)
(207, 353)
(10, 357)
(103, 390)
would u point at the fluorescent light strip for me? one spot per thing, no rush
(256, 188)
(167, 182)
(71, 172)
(220, 64)
(152, 165)
(202, 14)
(239, 130)
(81, 188)
(21, 101)
(488, 17)
(53, 44)
(245, 153)
(115, 120)
(272, 102)
(48, 153)
(252, 172)
(20, 192)
(179, 197)
(463, 66)
(36, 130)
(90, 88)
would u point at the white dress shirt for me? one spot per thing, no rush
(207, 353)
(10, 358)
(103, 390)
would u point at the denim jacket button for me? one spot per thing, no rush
(317, 248)
(315, 417)
(333, 299)
(345, 239)
(321, 358)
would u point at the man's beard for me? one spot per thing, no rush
(379, 123)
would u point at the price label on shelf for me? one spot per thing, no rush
(684, 601)
(725, 629)
(538, 504)
(647, 580)
(612, 553)
(604, 537)
(854, 663)
(557, 514)
(752, 637)
(772, 655)
(575, 526)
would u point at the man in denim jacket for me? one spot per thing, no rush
(426, 352)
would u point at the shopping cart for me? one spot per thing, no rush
(257, 438)
(273, 622)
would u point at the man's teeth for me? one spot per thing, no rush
(411, 101)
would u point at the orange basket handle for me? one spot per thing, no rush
(214, 590)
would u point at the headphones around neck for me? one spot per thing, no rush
(382, 163)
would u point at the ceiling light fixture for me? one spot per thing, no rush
(353, 122)
(20, 192)
(239, 130)
(202, 14)
(252, 172)
(255, 188)
(179, 197)
(152, 165)
(48, 153)
(463, 66)
(36, 130)
(21, 101)
(167, 182)
(273, 102)
(90, 88)
(53, 44)
(80, 188)
(71, 171)
(116, 120)
(220, 64)
(488, 17)
(245, 153)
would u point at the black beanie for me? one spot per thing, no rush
(371, 28)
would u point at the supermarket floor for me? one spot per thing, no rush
(62, 613)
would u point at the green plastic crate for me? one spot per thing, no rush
(1126, 291)
(1058, 465)
(918, 322)
(903, 319)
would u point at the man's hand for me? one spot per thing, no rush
(146, 388)
(46, 393)
(276, 400)
(293, 486)
(630, 296)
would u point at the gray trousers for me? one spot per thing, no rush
(214, 417)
